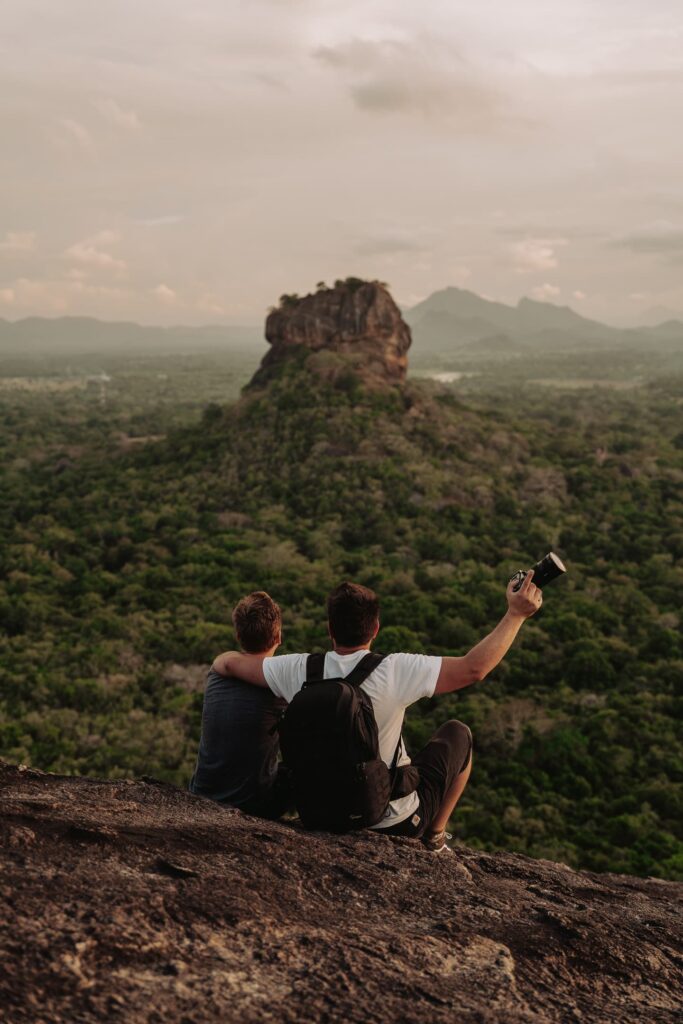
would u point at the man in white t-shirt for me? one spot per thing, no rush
(445, 763)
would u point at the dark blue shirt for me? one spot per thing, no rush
(237, 760)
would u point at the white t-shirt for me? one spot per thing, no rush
(397, 682)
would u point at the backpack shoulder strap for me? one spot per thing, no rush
(315, 668)
(363, 669)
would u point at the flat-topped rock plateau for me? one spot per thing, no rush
(136, 902)
(353, 327)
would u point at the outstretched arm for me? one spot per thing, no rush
(457, 673)
(248, 667)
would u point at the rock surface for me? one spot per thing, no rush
(357, 322)
(133, 901)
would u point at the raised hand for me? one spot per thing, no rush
(527, 600)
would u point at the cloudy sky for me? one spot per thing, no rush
(168, 161)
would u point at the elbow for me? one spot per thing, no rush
(477, 673)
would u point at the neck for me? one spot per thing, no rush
(350, 650)
(264, 654)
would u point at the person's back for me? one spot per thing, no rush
(238, 749)
(237, 759)
(395, 684)
(422, 807)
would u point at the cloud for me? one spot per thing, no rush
(76, 132)
(567, 231)
(116, 115)
(460, 275)
(89, 252)
(162, 221)
(662, 238)
(31, 294)
(59, 295)
(340, 125)
(387, 245)
(579, 295)
(209, 303)
(423, 77)
(545, 292)
(163, 292)
(18, 242)
(533, 254)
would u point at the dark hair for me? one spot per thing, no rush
(257, 620)
(353, 614)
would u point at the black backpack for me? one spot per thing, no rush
(330, 745)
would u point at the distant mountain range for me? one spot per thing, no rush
(80, 335)
(455, 318)
(449, 320)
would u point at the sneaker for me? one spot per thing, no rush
(437, 843)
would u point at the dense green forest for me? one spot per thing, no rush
(136, 506)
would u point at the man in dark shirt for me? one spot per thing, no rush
(237, 760)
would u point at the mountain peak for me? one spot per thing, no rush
(527, 303)
(454, 317)
(353, 326)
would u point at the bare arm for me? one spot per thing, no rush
(457, 673)
(248, 667)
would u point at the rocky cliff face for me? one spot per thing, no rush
(355, 326)
(135, 902)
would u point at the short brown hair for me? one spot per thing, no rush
(353, 614)
(257, 620)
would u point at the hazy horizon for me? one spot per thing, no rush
(167, 165)
(653, 319)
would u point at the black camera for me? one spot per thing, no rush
(545, 571)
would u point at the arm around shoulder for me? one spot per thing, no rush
(248, 667)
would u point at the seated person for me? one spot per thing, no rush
(445, 763)
(237, 760)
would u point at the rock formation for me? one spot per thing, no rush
(356, 325)
(136, 902)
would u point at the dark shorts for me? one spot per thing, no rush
(446, 756)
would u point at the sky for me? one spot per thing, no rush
(173, 162)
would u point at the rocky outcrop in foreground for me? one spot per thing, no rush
(133, 901)
(356, 324)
